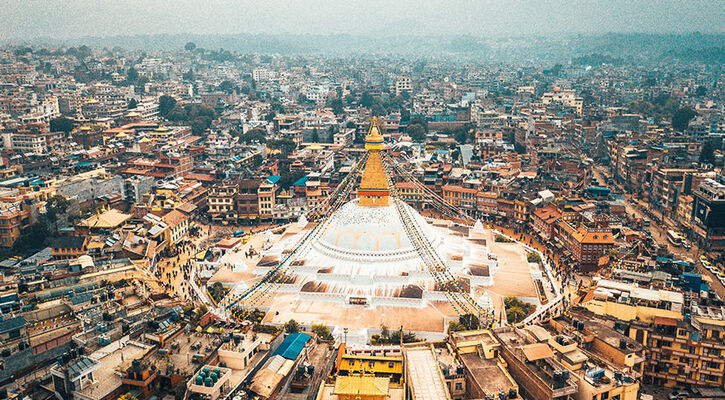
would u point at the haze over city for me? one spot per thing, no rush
(77, 18)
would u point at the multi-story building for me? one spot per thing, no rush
(667, 185)
(403, 85)
(544, 219)
(464, 198)
(709, 214)
(266, 196)
(136, 187)
(538, 373)
(36, 141)
(684, 353)
(411, 193)
(586, 244)
(485, 373)
(222, 201)
(247, 200)
(629, 302)
(14, 218)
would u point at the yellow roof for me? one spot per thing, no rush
(108, 220)
(368, 385)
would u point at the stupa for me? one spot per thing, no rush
(365, 268)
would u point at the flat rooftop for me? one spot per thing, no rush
(487, 373)
(114, 359)
(424, 376)
(181, 357)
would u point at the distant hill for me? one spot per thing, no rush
(546, 48)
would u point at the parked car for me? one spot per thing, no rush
(679, 394)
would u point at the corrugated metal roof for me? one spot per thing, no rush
(81, 366)
(292, 345)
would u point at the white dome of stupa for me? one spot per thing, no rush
(358, 232)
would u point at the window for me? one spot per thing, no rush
(371, 364)
(605, 395)
(459, 386)
(391, 365)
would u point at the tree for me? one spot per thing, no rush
(287, 178)
(461, 136)
(254, 135)
(200, 125)
(337, 107)
(55, 206)
(366, 100)
(706, 154)
(404, 115)
(315, 136)
(190, 46)
(681, 118)
(416, 132)
(291, 326)
(188, 76)
(61, 124)
(700, 91)
(227, 86)
(323, 332)
(166, 104)
(469, 321)
(131, 75)
(140, 84)
(517, 310)
(285, 146)
(132, 104)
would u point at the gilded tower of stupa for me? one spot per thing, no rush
(374, 190)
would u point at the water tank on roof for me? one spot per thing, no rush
(208, 382)
(199, 380)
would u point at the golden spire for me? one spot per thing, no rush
(374, 190)
(374, 139)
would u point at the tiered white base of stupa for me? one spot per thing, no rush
(364, 258)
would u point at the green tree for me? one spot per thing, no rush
(270, 116)
(166, 104)
(461, 136)
(131, 75)
(700, 91)
(190, 46)
(366, 100)
(140, 84)
(285, 146)
(323, 332)
(517, 310)
(315, 136)
(291, 326)
(61, 124)
(254, 135)
(56, 206)
(132, 104)
(416, 132)
(707, 153)
(188, 76)
(200, 125)
(681, 118)
(228, 86)
(469, 321)
(337, 107)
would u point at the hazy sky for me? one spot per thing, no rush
(74, 18)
